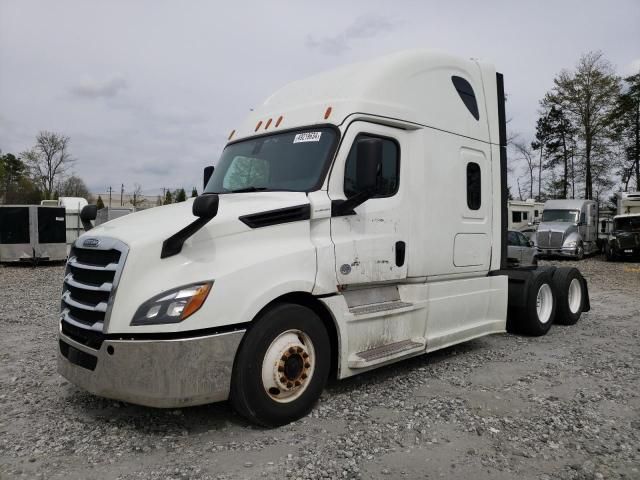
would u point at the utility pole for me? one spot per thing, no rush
(110, 196)
(121, 194)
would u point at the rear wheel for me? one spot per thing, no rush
(536, 315)
(570, 290)
(580, 251)
(282, 366)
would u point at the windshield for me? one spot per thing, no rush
(568, 216)
(629, 224)
(292, 161)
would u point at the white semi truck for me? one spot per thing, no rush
(355, 219)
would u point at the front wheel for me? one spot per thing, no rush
(580, 252)
(282, 366)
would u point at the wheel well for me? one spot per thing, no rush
(307, 300)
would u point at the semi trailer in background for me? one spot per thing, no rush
(32, 233)
(72, 208)
(317, 249)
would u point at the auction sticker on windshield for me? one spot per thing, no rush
(307, 137)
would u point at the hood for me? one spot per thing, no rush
(156, 224)
(563, 227)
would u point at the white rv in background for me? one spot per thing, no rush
(318, 248)
(524, 213)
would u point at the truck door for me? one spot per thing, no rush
(370, 245)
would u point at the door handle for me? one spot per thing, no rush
(400, 253)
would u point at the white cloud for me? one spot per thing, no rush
(91, 88)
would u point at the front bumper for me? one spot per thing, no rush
(155, 373)
(557, 252)
(632, 252)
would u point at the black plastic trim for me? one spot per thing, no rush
(173, 245)
(504, 191)
(276, 217)
(78, 357)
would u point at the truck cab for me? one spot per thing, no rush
(623, 240)
(568, 229)
(355, 219)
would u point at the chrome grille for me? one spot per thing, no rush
(629, 241)
(549, 239)
(90, 283)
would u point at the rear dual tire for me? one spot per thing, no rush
(538, 312)
(570, 288)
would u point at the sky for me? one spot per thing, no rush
(148, 90)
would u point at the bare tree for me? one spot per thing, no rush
(524, 152)
(48, 160)
(74, 186)
(137, 199)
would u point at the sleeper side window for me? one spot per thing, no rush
(468, 97)
(390, 175)
(516, 217)
(474, 186)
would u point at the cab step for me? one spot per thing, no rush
(387, 352)
(379, 307)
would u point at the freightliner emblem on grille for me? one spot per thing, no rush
(91, 242)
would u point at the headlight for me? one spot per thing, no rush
(173, 306)
(571, 244)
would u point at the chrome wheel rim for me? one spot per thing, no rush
(288, 366)
(574, 295)
(544, 303)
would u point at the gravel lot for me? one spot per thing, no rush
(563, 406)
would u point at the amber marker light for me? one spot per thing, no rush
(327, 113)
(196, 301)
(231, 134)
(279, 121)
(258, 126)
(268, 123)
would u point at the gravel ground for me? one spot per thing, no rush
(563, 406)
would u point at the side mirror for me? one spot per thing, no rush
(208, 171)
(206, 206)
(368, 164)
(87, 215)
(531, 244)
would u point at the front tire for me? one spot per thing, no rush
(282, 366)
(580, 252)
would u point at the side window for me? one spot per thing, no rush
(516, 217)
(245, 171)
(474, 186)
(467, 95)
(524, 241)
(390, 175)
(583, 218)
(512, 239)
(525, 215)
(535, 213)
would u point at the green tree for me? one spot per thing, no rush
(15, 185)
(99, 203)
(194, 192)
(181, 195)
(168, 198)
(629, 118)
(588, 98)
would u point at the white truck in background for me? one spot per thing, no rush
(568, 229)
(624, 238)
(357, 218)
